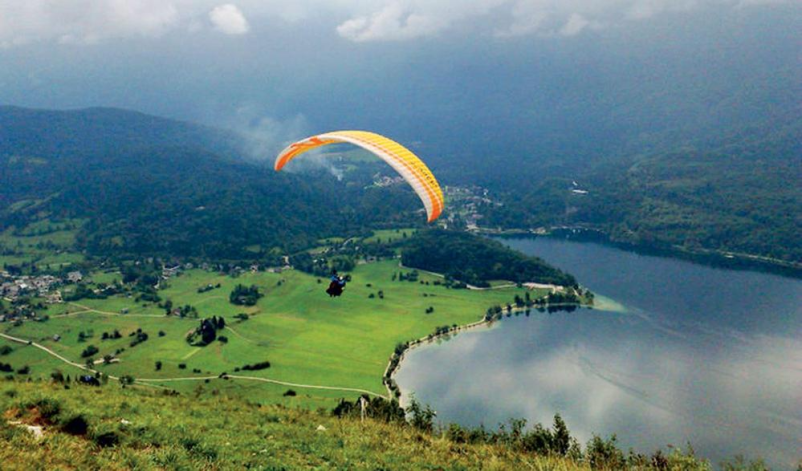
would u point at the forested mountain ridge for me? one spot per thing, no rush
(150, 186)
(100, 131)
(742, 196)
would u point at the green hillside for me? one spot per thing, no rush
(108, 427)
(343, 343)
(148, 186)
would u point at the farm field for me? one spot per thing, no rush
(309, 338)
(47, 244)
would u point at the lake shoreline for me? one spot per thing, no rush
(693, 333)
(707, 257)
(394, 363)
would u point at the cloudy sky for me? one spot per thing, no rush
(93, 21)
(406, 67)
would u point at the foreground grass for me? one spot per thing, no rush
(308, 337)
(134, 428)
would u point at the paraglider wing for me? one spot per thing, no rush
(407, 164)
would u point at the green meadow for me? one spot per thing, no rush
(47, 243)
(309, 338)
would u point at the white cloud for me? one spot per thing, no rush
(92, 21)
(643, 9)
(575, 24)
(401, 20)
(391, 23)
(397, 20)
(83, 21)
(228, 19)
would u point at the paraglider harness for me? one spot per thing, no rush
(336, 286)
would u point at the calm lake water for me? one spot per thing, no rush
(701, 355)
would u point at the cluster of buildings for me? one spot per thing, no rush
(46, 286)
(175, 270)
(382, 181)
(465, 202)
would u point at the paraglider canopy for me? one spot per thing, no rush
(407, 164)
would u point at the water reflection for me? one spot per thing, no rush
(655, 375)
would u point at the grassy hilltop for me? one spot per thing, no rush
(85, 427)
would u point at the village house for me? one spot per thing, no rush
(43, 284)
(170, 272)
(74, 277)
(54, 298)
(14, 291)
(5, 288)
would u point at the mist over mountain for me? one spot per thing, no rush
(471, 98)
(513, 97)
(150, 254)
(148, 185)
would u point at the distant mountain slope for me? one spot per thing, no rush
(743, 196)
(97, 131)
(161, 187)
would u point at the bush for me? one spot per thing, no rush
(421, 417)
(48, 408)
(75, 425)
(290, 393)
(604, 453)
(5, 350)
(106, 439)
(89, 351)
(140, 337)
(245, 296)
(257, 366)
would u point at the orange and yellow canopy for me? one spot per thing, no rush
(407, 164)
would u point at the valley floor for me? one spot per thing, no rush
(320, 347)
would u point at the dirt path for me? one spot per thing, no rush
(147, 381)
(48, 351)
(105, 313)
(471, 287)
(241, 336)
(477, 288)
(264, 380)
(70, 314)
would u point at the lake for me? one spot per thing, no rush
(697, 354)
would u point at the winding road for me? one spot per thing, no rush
(149, 381)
